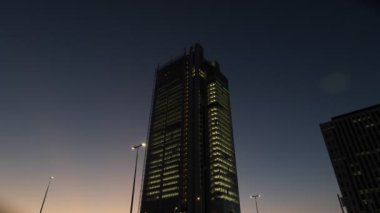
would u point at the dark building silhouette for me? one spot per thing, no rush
(353, 143)
(190, 165)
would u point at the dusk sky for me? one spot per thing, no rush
(76, 80)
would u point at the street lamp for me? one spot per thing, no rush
(134, 177)
(255, 197)
(47, 190)
(340, 202)
(175, 209)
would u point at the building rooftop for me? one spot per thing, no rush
(356, 111)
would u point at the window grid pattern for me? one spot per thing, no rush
(221, 150)
(353, 143)
(162, 178)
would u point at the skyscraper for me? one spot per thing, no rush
(353, 143)
(190, 165)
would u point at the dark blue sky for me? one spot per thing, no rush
(76, 79)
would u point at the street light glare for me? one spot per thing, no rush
(253, 196)
(133, 148)
(51, 177)
(143, 144)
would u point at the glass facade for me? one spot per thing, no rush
(353, 143)
(190, 165)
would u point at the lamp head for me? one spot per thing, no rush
(143, 144)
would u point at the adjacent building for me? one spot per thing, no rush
(353, 143)
(190, 165)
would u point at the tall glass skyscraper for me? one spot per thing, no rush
(353, 143)
(190, 165)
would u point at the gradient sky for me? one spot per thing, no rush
(76, 82)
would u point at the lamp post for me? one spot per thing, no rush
(255, 197)
(134, 177)
(340, 202)
(47, 190)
